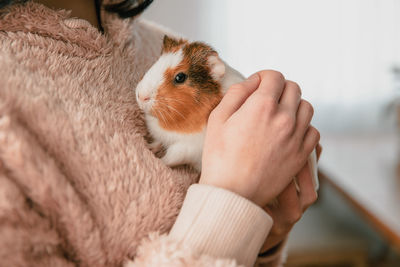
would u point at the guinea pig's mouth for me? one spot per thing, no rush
(144, 101)
(146, 106)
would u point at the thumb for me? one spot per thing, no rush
(236, 96)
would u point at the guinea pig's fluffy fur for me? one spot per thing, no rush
(177, 95)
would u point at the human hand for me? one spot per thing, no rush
(290, 206)
(258, 138)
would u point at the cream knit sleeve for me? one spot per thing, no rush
(215, 227)
(223, 224)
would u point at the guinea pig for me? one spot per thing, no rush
(177, 95)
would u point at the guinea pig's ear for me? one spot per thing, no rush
(217, 66)
(170, 43)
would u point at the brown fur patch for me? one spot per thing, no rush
(196, 58)
(181, 107)
(185, 107)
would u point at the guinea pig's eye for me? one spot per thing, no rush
(180, 77)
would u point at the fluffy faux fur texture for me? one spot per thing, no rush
(71, 142)
(78, 187)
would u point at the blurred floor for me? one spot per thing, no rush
(332, 234)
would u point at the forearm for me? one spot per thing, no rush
(219, 223)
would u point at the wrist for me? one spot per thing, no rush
(238, 190)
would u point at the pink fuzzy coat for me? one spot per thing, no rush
(77, 184)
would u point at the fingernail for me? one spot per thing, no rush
(313, 165)
(253, 77)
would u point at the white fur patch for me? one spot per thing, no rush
(154, 77)
(231, 77)
(180, 148)
(217, 67)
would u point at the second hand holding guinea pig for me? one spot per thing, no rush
(177, 95)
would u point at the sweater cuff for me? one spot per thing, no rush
(220, 223)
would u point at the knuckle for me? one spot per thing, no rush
(269, 103)
(276, 75)
(313, 137)
(265, 105)
(313, 197)
(286, 123)
(273, 75)
(315, 133)
(281, 229)
(310, 108)
(307, 107)
(318, 135)
(295, 87)
(296, 216)
(310, 199)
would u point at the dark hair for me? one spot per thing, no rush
(128, 8)
(125, 8)
(4, 3)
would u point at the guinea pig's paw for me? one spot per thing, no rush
(155, 146)
(175, 155)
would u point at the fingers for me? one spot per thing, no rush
(307, 193)
(304, 115)
(311, 140)
(271, 86)
(289, 197)
(319, 150)
(290, 98)
(290, 204)
(235, 97)
(264, 84)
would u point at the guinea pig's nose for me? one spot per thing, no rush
(143, 98)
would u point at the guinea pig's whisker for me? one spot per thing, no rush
(167, 112)
(172, 99)
(161, 115)
(175, 110)
(164, 118)
(157, 113)
(170, 108)
(178, 101)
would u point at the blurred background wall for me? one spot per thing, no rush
(343, 53)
